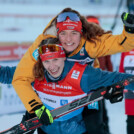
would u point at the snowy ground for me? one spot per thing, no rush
(25, 28)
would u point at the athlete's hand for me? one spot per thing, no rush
(44, 115)
(128, 20)
(114, 94)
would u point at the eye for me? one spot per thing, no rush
(46, 61)
(62, 33)
(74, 32)
(55, 59)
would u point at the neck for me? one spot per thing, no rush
(51, 78)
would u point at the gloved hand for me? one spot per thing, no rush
(128, 20)
(44, 115)
(114, 94)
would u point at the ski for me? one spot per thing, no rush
(95, 95)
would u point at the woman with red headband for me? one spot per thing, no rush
(83, 42)
(58, 82)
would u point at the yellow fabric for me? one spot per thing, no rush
(23, 76)
(108, 44)
(96, 63)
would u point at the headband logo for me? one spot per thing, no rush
(70, 27)
(50, 56)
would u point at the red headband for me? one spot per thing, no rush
(69, 25)
(48, 54)
(94, 20)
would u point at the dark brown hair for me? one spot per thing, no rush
(39, 69)
(90, 30)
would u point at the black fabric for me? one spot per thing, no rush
(129, 29)
(37, 107)
(129, 20)
(44, 119)
(114, 94)
(105, 118)
(28, 116)
(130, 124)
(94, 120)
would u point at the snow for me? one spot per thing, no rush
(26, 28)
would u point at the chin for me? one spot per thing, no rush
(69, 50)
(55, 76)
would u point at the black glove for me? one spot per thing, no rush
(128, 20)
(114, 94)
(44, 115)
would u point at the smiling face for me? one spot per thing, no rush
(54, 66)
(70, 39)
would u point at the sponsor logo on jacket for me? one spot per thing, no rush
(63, 102)
(75, 74)
(54, 86)
(82, 51)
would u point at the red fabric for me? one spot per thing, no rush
(129, 106)
(121, 68)
(69, 86)
(69, 25)
(105, 63)
(77, 69)
(51, 55)
(94, 20)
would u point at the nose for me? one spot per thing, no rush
(51, 66)
(68, 37)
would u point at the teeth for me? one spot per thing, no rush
(69, 44)
(53, 71)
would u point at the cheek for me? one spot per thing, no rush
(76, 41)
(61, 38)
(45, 66)
(62, 65)
(77, 38)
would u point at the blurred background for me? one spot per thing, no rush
(21, 21)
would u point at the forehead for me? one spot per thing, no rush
(68, 31)
(52, 60)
